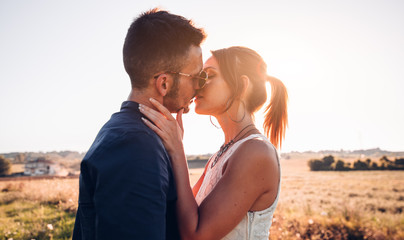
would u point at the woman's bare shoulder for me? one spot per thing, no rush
(258, 148)
(256, 153)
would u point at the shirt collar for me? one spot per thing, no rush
(130, 105)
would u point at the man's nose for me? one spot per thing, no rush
(196, 85)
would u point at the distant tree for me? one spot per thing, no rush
(340, 166)
(368, 161)
(316, 165)
(328, 160)
(359, 165)
(324, 164)
(385, 159)
(5, 166)
(399, 161)
(374, 166)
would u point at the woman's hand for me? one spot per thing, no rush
(169, 129)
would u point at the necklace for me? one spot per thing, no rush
(226, 146)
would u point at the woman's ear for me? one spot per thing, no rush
(163, 84)
(246, 86)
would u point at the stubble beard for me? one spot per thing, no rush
(170, 101)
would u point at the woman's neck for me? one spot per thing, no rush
(235, 130)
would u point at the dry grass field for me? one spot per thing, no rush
(313, 205)
(339, 205)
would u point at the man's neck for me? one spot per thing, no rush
(143, 96)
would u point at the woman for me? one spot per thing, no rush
(237, 194)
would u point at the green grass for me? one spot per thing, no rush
(29, 220)
(38, 209)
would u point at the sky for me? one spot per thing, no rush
(62, 76)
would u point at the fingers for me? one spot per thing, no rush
(179, 118)
(162, 109)
(152, 126)
(156, 117)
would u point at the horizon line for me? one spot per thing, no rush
(193, 154)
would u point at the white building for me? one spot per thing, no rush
(42, 166)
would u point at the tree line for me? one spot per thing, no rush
(328, 163)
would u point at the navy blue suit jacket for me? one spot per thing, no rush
(127, 189)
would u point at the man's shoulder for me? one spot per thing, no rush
(133, 137)
(127, 125)
(122, 130)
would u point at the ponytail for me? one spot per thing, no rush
(276, 115)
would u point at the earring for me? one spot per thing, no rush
(210, 118)
(237, 121)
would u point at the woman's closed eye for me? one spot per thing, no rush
(211, 73)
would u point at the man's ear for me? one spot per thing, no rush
(163, 84)
(246, 84)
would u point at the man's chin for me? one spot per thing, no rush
(174, 108)
(186, 106)
(186, 109)
(177, 109)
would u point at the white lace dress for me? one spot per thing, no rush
(255, 225)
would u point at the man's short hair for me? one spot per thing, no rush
(158, 41)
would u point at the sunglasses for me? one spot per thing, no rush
(201, 77)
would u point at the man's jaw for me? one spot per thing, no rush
(186, 107)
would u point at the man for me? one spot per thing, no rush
(127, 189)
